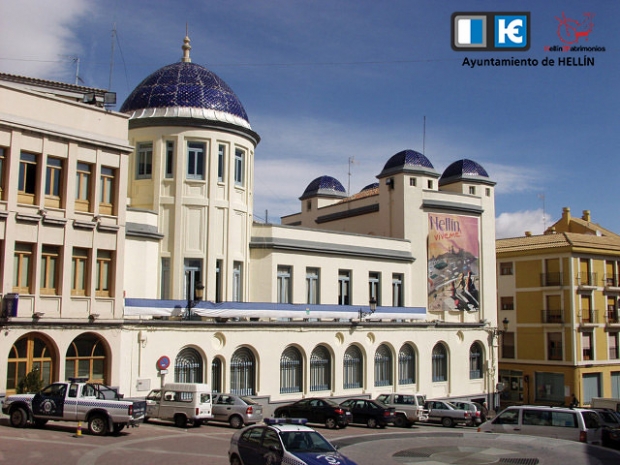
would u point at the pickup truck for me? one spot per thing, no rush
(408, 408)
(75, 400)
(440, 411)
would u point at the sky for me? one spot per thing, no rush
(338, 87)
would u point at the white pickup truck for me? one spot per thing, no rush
(408, 408)
(99, 406)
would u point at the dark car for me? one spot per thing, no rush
(277, 442)
(316, 410)
(610, 421)
(369, 412)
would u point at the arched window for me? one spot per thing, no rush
(475, 361)
(242, 373)
(188, 367)
(217, 381)
(291, 369)
(27, 354)
(440, 363)
(320, 369)
(86, 358)
(353, 368)
(383, 366)
(406, 365)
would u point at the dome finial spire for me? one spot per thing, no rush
(186, 47)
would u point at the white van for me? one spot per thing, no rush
(573, 424)
(180, 403)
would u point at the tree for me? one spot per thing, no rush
(31, 383)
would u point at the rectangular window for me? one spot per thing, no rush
(79, 272)
(507, 303)
(239, 167)
(472, 190)
(50, 261)
(27, 178)
(218, 280)
(554, 346)
(508, 345)
(169, 168)
(430, 184)
(412, 182)
(397, 290)
(587, 349)
(221, 159)
(82, 187)
(195, 160)
(612, 339)
(312, 285)
(144, 160)
(549, 387)
(284, 285)
(344, 287)
(2, 165)
(53, 182)
(106, 196)
(103, 284)
(165, 278)
(22, 268)
(374, 286)
(505, 268)
(237, 289)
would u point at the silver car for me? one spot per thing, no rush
(236, 410)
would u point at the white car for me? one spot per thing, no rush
(283, 440)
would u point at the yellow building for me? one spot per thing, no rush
(558, 298)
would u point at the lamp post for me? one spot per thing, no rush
(496, 333)
(198, 294)
(372, 307)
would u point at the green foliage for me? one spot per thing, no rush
(30, 383)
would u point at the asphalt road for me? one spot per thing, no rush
(161, 443)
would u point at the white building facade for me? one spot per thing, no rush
(288, 310)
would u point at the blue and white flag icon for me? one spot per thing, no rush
(470, 31)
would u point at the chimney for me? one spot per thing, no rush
(586, 216)
(566, 214)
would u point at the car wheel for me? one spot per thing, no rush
(18, 418)
(447, 422)
(331, 423)
(235, 422)
(234, 460)
(180, 421)
(98, 425)
(400, 421)
(371, 423)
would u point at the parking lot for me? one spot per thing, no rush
(160, 443)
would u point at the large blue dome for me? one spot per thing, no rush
(185, 89)
(325, 186)
(408, 161)
(465, 169)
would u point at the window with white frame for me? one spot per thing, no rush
(27, 184)
(344, 287)
(107, 190)
(239, 167)
(144, 160)
(312, 286)
(374, 286)
(221, 162)
(169, 167)
(284, 285)
(397, 290)
(237, 282)
(22, 270)
(83, 187)
(195, 160)
(50, 263)
(53, 182)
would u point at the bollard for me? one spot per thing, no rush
(78, 432)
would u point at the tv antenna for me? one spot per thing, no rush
(351, 163)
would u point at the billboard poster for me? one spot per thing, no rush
(453, 258)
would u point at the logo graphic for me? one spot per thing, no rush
(500, 32)
(570, 30)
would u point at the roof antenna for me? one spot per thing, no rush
(544, 218)
(424, 137)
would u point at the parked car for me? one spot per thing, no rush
(610, 421)
(369, 412)
(278, 442)
(572, 424)
(316, 410)
(478, 412)
(235, 410)
(408, 408)
(181, 403)
(441, 411)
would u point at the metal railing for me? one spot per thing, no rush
(555, 278)
(589, 316)
(552, 316)
(586, 278)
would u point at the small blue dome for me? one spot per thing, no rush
(185, 86)
(325, 186)
(374, 185)
(408, 161)
(464, 169)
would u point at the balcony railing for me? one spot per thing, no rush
(613, 353)
(588, 354)
(612, 317)
(586, 279)
(552, 316)
(611, 280)
(589, 316)
(555, 353)
(551, 279)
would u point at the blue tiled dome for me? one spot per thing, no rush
(464, 169)
(374, 185)
(185, 89)
(325, 186)
(408, 161)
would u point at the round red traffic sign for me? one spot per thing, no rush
(163, 362)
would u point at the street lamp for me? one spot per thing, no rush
(372, 307)
(198, 294)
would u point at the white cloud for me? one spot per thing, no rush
(515, 224)
(38, 35)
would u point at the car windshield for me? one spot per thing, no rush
(305, 441)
